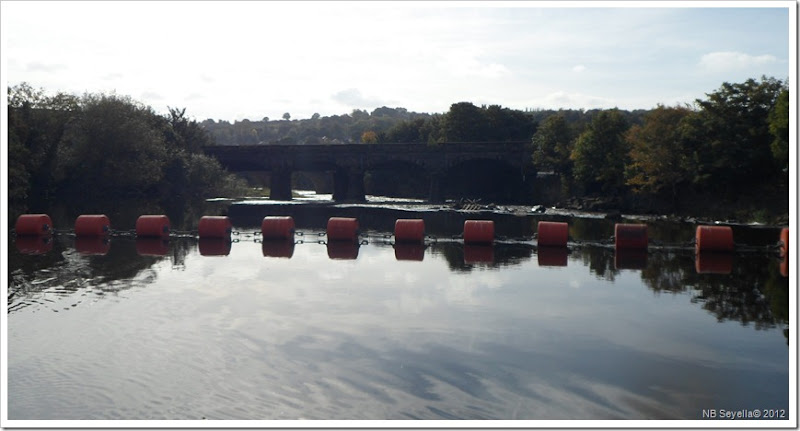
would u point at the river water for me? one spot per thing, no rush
(195, 329)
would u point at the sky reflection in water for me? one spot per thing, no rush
(319, 336)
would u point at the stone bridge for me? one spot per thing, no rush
(349, 162)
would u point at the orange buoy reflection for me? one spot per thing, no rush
(278, 247)
(343, 250)
(212, 246)
(478, 253)
(96, 245)
(151, 246)
(34, 244)
(552, 256)
(709, 262)
(630, 258)
(409, 251)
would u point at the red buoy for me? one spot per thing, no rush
(278, 247)
(714, 238)
(552, 256)
(784, 241)
(342, 229)
(214, 246)
(552, 233)
(152, 226)
(409, 251)
(478, 232)
(214, 227)
(277, 227)
(630, 236)
(92, 225)
(33, 224)
(409, 230)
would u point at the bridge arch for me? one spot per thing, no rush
(485, 178)
(404, 178)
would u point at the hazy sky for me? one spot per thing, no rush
(236, 60)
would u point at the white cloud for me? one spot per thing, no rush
(267, 58)
(353, 98)
(468, 62)
(36, 66)
(151, 95)
(562, 99)
(731, 60)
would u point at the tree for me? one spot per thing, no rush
(779, 128)
(112, 149)
(36, 125)
(732, 135)
(601, 153)
(465, 122)
(369, 137)
(286, 116)
(552, 145)
(659, 159)
(506, 124)
(407, 132)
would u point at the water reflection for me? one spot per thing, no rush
(93, 245)
(283, 248)
(214, 246)
(184, 329)
(409, 251)
(709, 262)
(478, 253)
(552, 256)
(152, 246)
(745, 288)
(630, 259)
(34, 244)
(342, 250)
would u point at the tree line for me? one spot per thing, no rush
(731, 146)
(98, 147)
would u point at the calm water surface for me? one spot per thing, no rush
(328, 331)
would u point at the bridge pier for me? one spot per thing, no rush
(348, 185)
(436, 193)
(280, 185)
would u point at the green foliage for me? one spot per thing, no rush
(779, 128)
(658, 157)
(601, 153)
(732, 135)
(552, 145)
(465, 122)
(110, 149)
(105, 148)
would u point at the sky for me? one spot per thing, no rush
(249, 60)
